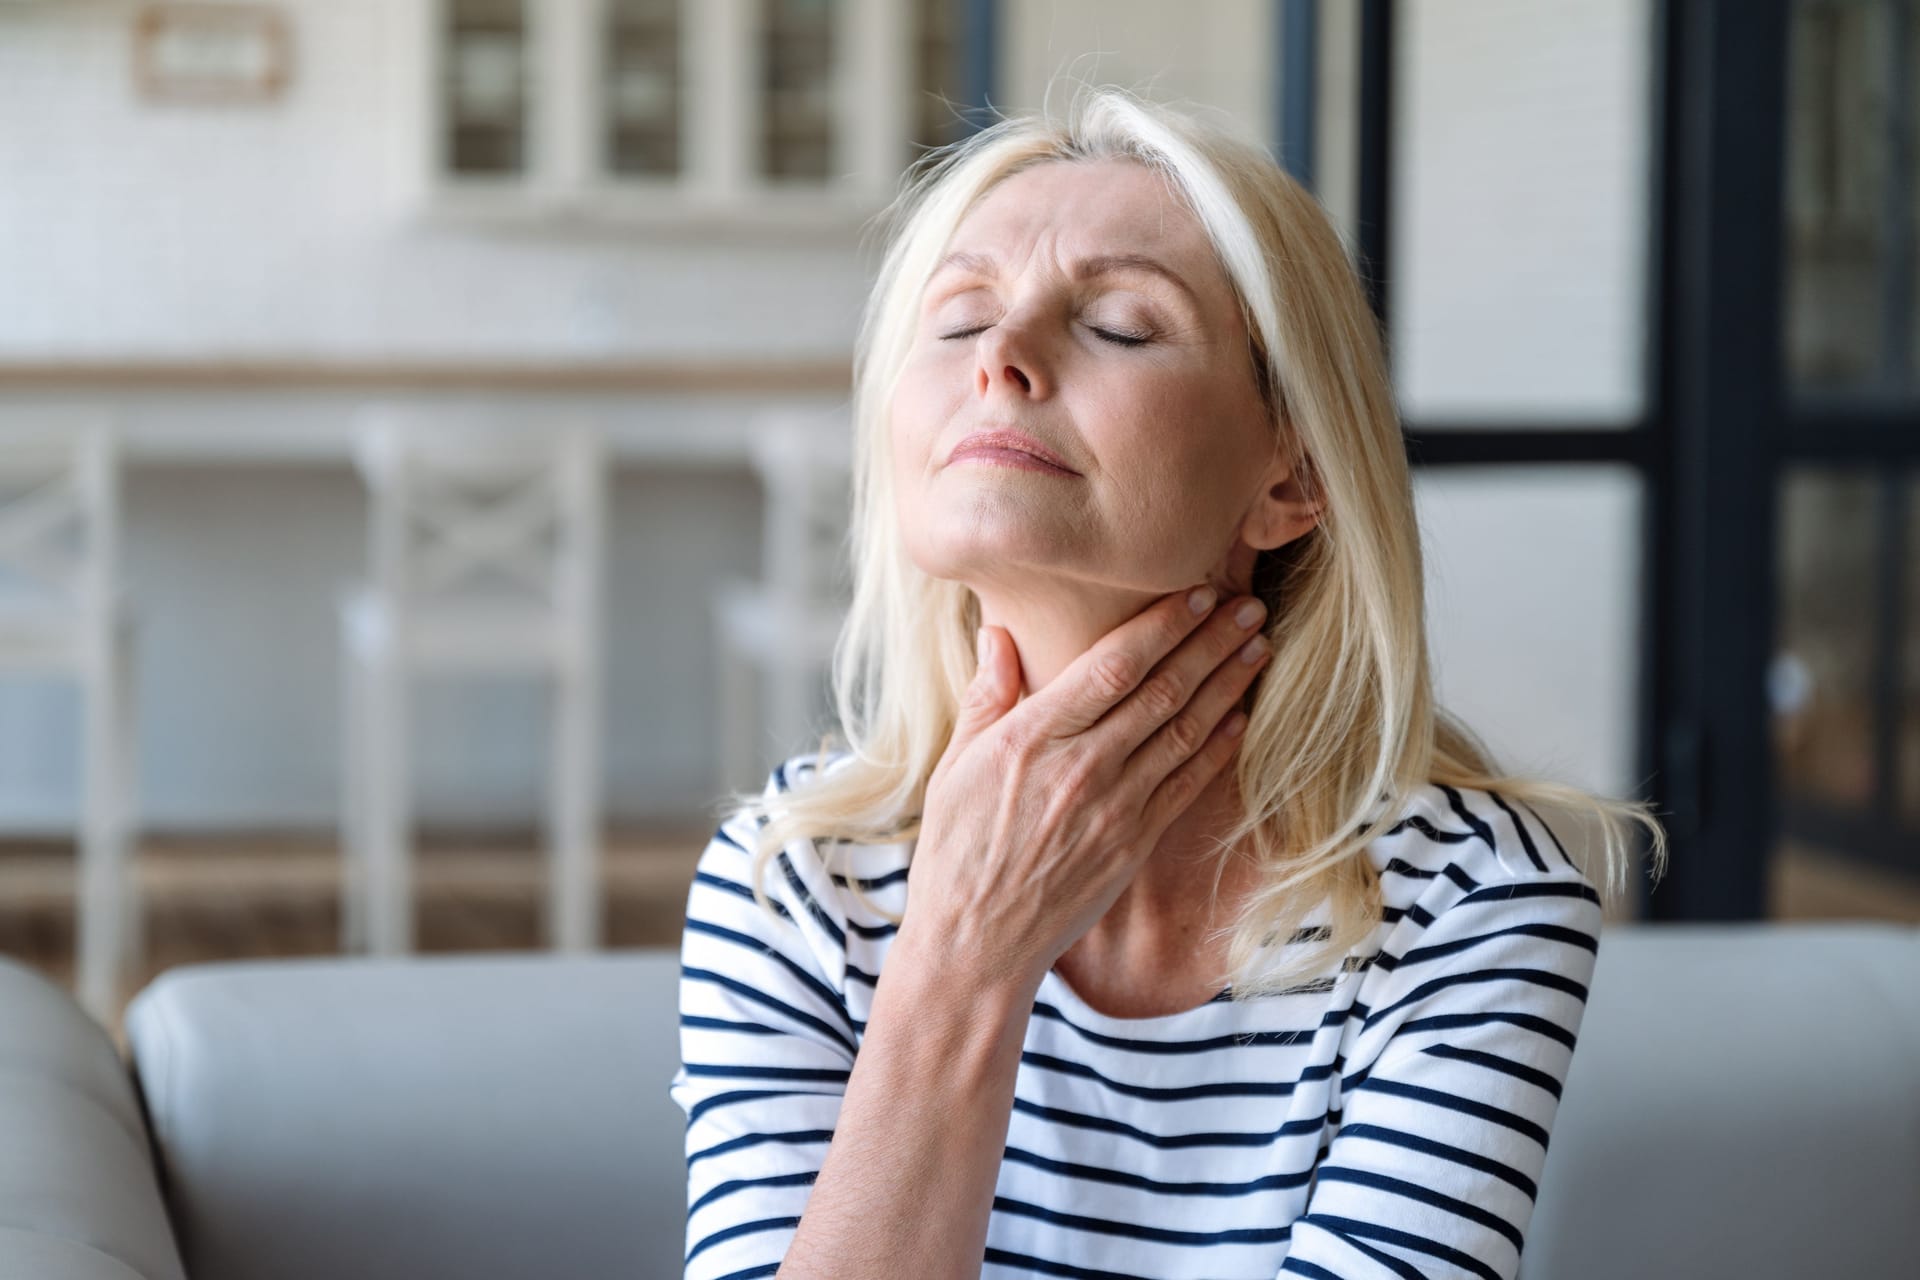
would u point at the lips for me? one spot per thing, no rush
(1018, 441)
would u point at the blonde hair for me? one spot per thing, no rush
(1343, 726)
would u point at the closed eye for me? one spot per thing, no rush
(1117, 339)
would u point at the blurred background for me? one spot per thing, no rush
(1650, 285)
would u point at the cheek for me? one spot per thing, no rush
(1178, 461)
(911, 440)
(906, 431)
(925, 399)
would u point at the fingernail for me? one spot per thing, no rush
(1202, 599)
(1237, 724)
(1252, 649)
(1249, 613)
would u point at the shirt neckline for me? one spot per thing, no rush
(1063, 996)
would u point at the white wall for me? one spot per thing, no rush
(130, 229)
(1533, 575)
(1521, 216)
(1216, 58)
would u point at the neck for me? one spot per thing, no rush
(1049, 637)
(1162, 945)
(1172, 896)
(1170, 900)
(1052, 625)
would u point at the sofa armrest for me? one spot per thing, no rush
(79, 1198)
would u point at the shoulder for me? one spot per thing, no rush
(1466, 858)
(797, 770)
(1471, 837)
(1485, 920)
(808, 883)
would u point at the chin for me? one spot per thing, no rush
(971, 562)
(967, 570)
(938, 560)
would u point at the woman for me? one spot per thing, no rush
(1225, 952)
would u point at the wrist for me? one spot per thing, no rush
(949, 965)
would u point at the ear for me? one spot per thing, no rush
(1286, 508)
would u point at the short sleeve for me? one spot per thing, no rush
(1434, 1165)
(766, 1047)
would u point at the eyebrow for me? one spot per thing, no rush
(1084, 268)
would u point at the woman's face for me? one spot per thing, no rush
(1139, 379)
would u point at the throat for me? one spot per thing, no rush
(1148, 957)
(1145, 993)
(1141, 973)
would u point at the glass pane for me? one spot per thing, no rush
(1906, 23)
(1839, 139)
(1821, 679)
(942, 91)
(1907, 743)
(1533, 601)
(1812, 880)
(1534, 616)
(485, 86)
(796, 106)
(1521, 212)
(643, 87)
(1336, 147)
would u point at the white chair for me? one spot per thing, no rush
(778, 632)
(63, 612)
(452, 506)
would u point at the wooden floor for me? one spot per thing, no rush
(1812, 884)
(231, 898)
(234, 898)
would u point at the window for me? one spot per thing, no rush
(697, 112)
(642, 94)
(941, 91)
(796, 92)
(485, 87)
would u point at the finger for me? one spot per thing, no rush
(1189, 730)
(1164, 696)
(1185, 784)
(986, 697)
(1095, 682)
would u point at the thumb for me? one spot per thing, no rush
(986, 698)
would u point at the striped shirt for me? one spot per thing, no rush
(1387, 1120)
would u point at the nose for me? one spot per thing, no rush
(1004, 358)
(1010, 373)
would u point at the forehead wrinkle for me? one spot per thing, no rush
(1094, 265)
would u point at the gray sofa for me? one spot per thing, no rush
(1745, 1101)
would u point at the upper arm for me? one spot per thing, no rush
(766, 1048)
(1434, 1167)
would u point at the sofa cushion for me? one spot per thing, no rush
(496, 1115)
(1744, 1101)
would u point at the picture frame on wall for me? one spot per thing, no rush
(211, 53)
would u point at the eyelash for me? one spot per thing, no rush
(1117, 339)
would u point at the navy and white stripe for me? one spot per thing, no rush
(1390, 1120)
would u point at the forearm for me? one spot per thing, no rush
(906, 1187)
